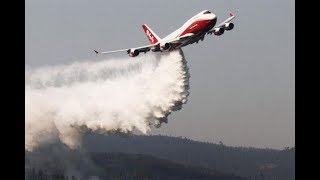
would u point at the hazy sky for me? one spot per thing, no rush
(242, 89)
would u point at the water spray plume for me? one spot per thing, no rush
(64, 102)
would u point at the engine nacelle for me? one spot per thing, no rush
(218, 31)
(133, 52)
(228, 26)
(165, 46)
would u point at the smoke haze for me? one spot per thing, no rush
(64, 102)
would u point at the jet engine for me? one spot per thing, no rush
(165, 46)
(218, 31)
(133, 52)
(228, 26)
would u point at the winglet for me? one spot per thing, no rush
(231, 14)
(96, 52)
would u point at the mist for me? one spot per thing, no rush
(64, 102)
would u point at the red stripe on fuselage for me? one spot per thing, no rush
(199, 26)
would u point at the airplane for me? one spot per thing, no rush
(190, 32)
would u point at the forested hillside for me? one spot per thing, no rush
(118, 156)
(244, 161)
(119, 166)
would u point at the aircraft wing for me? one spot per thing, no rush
(128, 50)
(223, 24)
(109, 52)
(135, 51)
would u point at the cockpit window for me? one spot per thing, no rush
(207, 12)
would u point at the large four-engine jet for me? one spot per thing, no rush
(190, 32)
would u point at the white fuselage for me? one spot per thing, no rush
(195, 24)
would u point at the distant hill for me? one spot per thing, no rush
(148, 167)
(243, 161)
(123, 166)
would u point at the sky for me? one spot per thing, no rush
(242, 85)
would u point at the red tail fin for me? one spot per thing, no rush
(153, 38)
